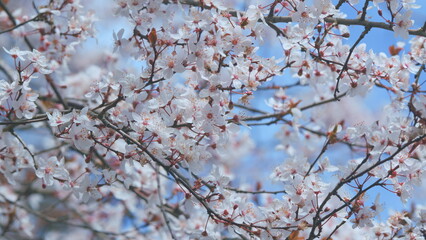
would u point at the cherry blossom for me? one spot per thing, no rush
(212, 119)
(51, 169)
(16, 53)
(402, 23)
(57, 118)
(6, 89)
(304, 15)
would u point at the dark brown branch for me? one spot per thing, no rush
(341, 21)
(255, 192)
(340, 3)
(364, 10)
(355, 22)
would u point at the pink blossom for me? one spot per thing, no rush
(402, 24)
(51, 169)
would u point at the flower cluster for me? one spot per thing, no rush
(151, 137)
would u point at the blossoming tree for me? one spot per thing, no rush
(142, 139)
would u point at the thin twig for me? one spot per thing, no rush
(323, 149)
(21, 24)
(345, 65)
(160, 198)
(24, 146)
